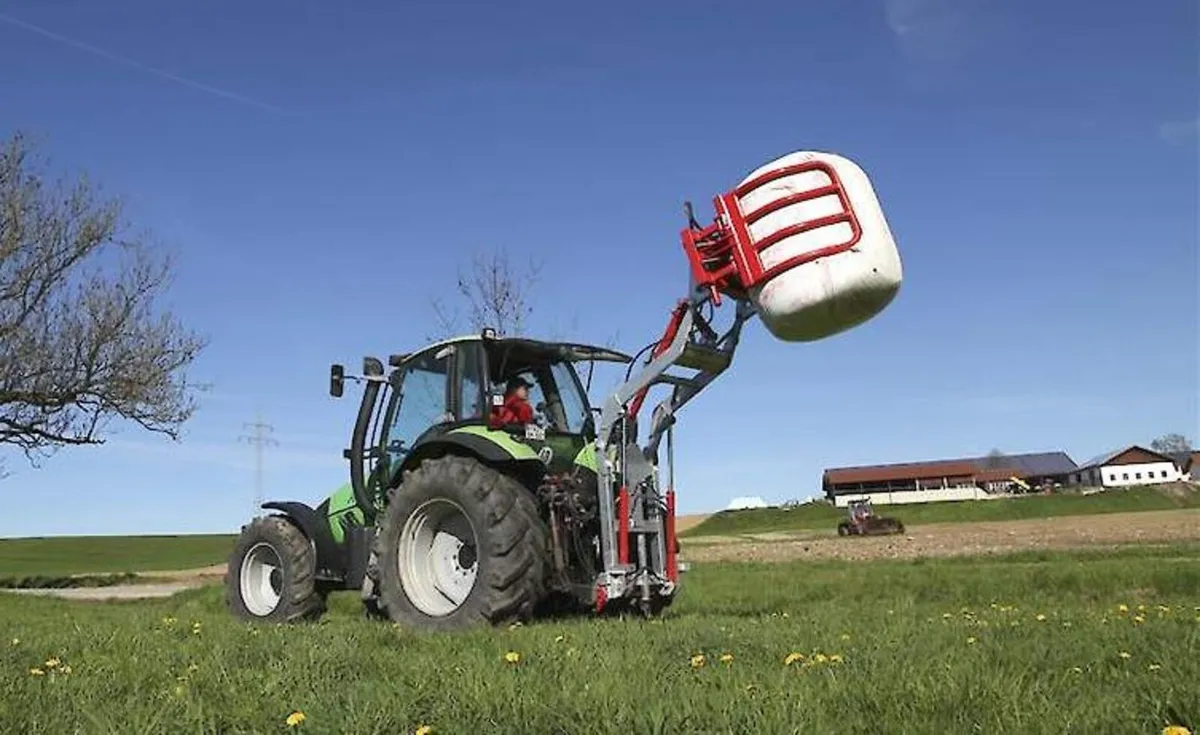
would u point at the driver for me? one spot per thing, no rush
(516, 408)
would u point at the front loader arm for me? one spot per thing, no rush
(636, 517)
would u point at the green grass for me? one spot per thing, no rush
(903, 631)
(826, 517)
(55, 556)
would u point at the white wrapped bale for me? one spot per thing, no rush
(835, 292)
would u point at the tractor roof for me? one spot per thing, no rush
(541, 349)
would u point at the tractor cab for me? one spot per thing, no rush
(444, 397)
(859, 511)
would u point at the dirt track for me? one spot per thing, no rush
(958, 539)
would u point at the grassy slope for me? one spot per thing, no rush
(903, 630)
(98, 554)
(1033, 506)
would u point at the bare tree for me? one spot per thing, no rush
(80, 340)
(995, 460)
(1172, 444)
(494, 295)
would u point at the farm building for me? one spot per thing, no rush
(1133, 465)
(746, 503)
(972, 478)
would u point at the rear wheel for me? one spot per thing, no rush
(843, 529)
(460, 544)
(270, 576)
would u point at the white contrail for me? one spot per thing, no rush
(223, 93)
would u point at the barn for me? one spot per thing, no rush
(1133, 465)
(969, 478)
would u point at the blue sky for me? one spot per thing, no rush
(322, 169)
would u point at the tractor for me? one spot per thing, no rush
(862, 521)
(456, 515)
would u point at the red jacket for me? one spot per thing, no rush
(514, 411)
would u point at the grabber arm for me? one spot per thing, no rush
(690, 342)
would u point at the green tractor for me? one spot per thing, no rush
(450, 519)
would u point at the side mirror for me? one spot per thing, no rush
(337, 380)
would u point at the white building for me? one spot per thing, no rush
(745, 503)
(1133, 465)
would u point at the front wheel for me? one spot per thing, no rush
(271, 574)
(460, 544)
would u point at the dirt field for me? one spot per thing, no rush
(942, 539)
(956, 539)
(683, 523)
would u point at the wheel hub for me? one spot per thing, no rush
(261, 579)
(437, 557)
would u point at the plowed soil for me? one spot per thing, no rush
(933, 540)
(956, 539)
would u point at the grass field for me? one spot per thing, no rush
(826, 517)
(114, 554)
(1033, 643)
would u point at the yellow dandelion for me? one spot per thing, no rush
(1041, 618)
(515, 625)
(295, 719)
(423, 730)
(65, 669)
(1176, 730)
(821, 658)
(1066, 623)
(1141, 608)
(727, 658)
(697, 660)
(16, 641)
(971, 641)
(559, 638)
(1122, 608)
(836, 658)
(1153, 667)
(891, 612)
(946, 616)
(512, 657)
(1076, 670)
(36, 672)
(1124, 654)
(845, 636)
(785, 615)
(793, 658)
(53, 662)
(1138, 619)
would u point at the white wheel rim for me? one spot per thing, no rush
(437, 558)
(261, 579)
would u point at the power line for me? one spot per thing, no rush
(258, 440)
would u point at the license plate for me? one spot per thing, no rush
(537, 433)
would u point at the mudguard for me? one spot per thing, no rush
(492, 446)
(331, 560)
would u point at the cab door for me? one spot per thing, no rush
(423, 398)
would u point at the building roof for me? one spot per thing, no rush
(1019, 465)
(1109, 457)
